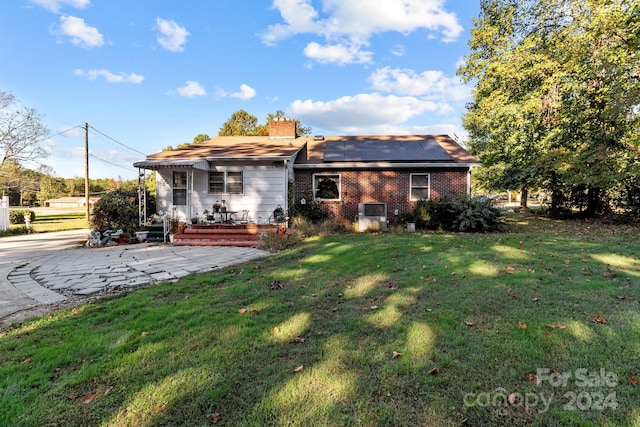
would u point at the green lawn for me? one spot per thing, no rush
(546, 315)
(51, 222)
(60, 222)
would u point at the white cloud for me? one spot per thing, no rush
(55, 5)
(192, 88)
(337, 53)
(80, 33)
(299, 17)
(109, 76)
(398, 50)
(363, 111)
(351, 23)
(172, 36)
(433, 84)
(245, 93)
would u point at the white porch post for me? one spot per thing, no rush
(190, 193)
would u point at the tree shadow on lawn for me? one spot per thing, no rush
(473, 316)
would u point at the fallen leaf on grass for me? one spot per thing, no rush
(373, 307)
(522, 325)
(512, 398)
(510, 270)
(26, 361)
(299, 369)
(297, 340)
(242, 310)
(633, 380)
(275, 285)
(599, 320)
(433, 371)
(557, 326)
(275, 330)
(466, 322)
(607, 273)
(395, 355)
(89, 398)
(2, 335)
(215, 417)
(535, 379)
(144, 334)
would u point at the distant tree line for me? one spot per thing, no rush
(26, 187)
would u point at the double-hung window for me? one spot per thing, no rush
(179, 188)
(226, 182)
(326, 186)
(420, 186)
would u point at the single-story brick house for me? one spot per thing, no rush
(384, 175)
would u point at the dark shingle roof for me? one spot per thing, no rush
(383, 148)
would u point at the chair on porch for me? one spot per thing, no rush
(242, 217)
(212, 219)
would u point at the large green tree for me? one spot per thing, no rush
(242, 123)
(556, 96)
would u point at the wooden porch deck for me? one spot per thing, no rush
(247, 235)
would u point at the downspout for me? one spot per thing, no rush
(286, 185)
(469, 182)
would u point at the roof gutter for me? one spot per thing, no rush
(382, 165)
(253, 158)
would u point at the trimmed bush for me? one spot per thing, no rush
(16, 216)
(459, 213)
(311, 210)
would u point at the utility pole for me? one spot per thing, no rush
(86, 169)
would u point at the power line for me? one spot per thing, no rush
(65, 131)
(117, 142)
(111, 163)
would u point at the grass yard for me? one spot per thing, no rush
(537, 326)
(51, 222)
(60, 222)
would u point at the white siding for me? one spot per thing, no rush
(265, 187)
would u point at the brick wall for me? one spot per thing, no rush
(391, 187)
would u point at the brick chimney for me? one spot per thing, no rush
(282, 128)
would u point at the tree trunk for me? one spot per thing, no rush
(595, 203)
(524, 196)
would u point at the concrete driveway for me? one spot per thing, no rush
(42, 270)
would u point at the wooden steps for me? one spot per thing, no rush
(246, 235)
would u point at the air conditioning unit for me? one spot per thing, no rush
(372, 215)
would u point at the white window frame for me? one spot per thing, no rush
(411, 186)
(175, 187)
(225, 184)
(318, 176)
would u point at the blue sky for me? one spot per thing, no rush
(145, 74)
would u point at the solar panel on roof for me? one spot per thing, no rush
(385, 150)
